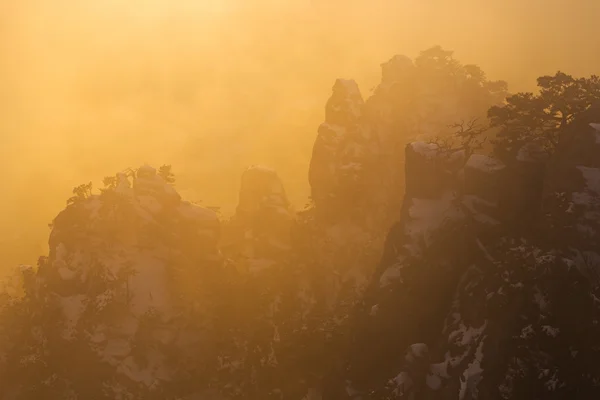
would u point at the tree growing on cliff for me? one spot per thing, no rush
(540, 118)
(437, 59)
(109, 182)
(166, 173)
(468, 136)
(467, 84)
(80, 193)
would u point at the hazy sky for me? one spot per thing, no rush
(88, 88)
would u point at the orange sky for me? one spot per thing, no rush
(91, 87)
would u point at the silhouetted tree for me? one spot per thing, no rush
(166, 173)
(467, 136)
(527, 117)
(467, 83)
(437, 59)
(80, 192)
(109, 182)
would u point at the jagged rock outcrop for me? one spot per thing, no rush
(356, 172)
(339, 238)
(339, 169)
(413, 99)
(416, 101)
(107, 303)
(414, 283)
(135, 301)
(357, 166)
(258, 235)
(488, 305)
(270, 299)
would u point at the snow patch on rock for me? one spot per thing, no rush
(429, 215)
(484, 163)
(428, 150)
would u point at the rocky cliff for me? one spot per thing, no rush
(488, 288)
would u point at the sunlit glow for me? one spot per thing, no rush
(88, 88)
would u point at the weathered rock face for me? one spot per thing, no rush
(488, 305)
(522, 192)
(344, 107)
(429, 205)
(261, 192)
(106, 302)
(412, 99)
(507, 333)
(339, 169)
(338, 240)
(417, 271)
(357, 168)
(423, 170)
(288, 302)
(259, 232)
(484, 179)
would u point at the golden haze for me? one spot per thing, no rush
(88, 88)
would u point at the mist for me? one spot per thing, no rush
(89, 88)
